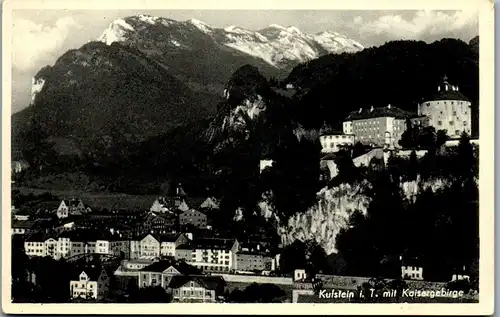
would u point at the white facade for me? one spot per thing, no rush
(412, 272)
(167, 248)
(149, 246)
(264, 164)
(299, 274)
(347, 127)
(90, 289)
(62, 210)
(214, 259)
(333, 142)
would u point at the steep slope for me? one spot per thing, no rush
(400, 73)
(100, 91)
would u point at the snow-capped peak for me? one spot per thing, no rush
(147, 18)
(116, 32)
(202, 26)
(277, 45)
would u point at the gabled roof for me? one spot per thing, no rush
(23, 224)
(92, 272)
(193, 211)
(209, 203)
(213, 243)
(181, 266)
(208, 282)
(388, 111)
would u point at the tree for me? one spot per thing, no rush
(409, 138)
(413, 167)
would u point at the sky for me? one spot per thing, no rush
(40, 37)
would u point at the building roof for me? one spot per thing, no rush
(180, 266)
(92, 272)
(209, 203)
(208, 282)
(446, 91)
(213, 243)
(89, 235)
(193, 210)
(23, 224)
(387, 111)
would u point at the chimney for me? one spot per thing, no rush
(439, 88)
(360, 109)
(446, 87)
(389, 106)
(371, 109)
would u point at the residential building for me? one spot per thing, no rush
(447, 109)
(23, 227)
(21, 217)
(265, 163)
(197, 289)
(149, 246)
(253, 261)
(19, 166)
(193, 217)
(381, 126)
(212, 254)
(91, 283)
(159, 224)
(184, 252)
(159, 206)
(333, 142)
(168, 243)
(160, 273)
(411, 269)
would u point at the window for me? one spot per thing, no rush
(454, 113)
(439, 123)
(465, 123)
(192, 284)
(451, 122)
(457, 131)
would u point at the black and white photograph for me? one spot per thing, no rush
(184, 156)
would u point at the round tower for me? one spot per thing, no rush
(447, 109)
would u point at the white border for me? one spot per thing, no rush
(486, 267)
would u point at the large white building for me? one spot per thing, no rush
(211, 254)
(382, 126)
(448, 109)
(332, 142)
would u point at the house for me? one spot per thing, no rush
(71, 207)
(299, 275)
(149, 246)
(411, 269)
(160, 273)
(19, 166)
(168, 243)
(21, 217)
(253, 261)
(159, 224)
(211, 254)
(265, 163)
(193, 217)
(35, 245)
(22, 227)
(159, 206)
(197, 289)
(91, 283)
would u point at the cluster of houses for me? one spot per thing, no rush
(171, 245)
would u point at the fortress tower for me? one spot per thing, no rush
(447, 109)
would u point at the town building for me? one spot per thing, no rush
(265, 163)
(168, 243)
(193, 217)
(159, 224)
(197, 289)
(334, 141)
(91, 283)
(411, 269)
(210, 204)
(160, 273)
(19, 166)
(381, 126)
(447, 109)
(22, 227)
(253, 261)
(72, 207)
(159, 206)
(210, 254)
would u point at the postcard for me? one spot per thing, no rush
(264, 157)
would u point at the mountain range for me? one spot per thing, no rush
(145, 75)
